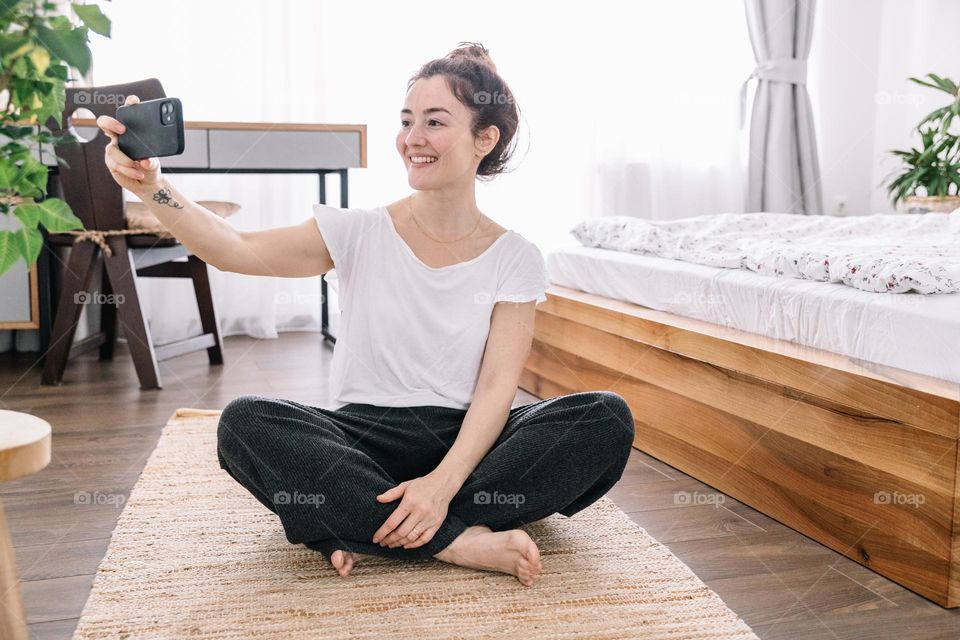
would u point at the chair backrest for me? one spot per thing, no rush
(86, 184)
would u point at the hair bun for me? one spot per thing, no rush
(475, 51)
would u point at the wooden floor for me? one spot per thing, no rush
(783, 584)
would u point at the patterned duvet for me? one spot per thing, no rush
(884, 253)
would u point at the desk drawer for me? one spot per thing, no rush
(194, 150)
(239, 149)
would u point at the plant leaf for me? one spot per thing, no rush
(28, 214)
(40, 58)
(936, 114)
(9, 250)
(925, 83)
(56, 216)
(70, 45)
(7, 174)
(30, 241)
(93, 18)
(945, 84)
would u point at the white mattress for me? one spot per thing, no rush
(916, 332)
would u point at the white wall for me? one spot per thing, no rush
(862, 54)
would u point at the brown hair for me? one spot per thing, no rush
(473, 79)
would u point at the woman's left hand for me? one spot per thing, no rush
(424, 508)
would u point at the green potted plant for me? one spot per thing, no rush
(37, 50)
(929, 177)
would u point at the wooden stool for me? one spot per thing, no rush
(24, 449)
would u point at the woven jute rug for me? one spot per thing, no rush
(195, 556)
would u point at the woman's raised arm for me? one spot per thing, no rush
(295, 251)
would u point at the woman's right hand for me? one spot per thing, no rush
(136, 176)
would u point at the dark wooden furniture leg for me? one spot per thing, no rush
(108, 318)
(122, 273)
(76, 282)
(208, 312)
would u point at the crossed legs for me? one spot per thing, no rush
(320, 471)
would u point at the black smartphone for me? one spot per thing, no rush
(154, 128)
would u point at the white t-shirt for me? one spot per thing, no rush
(411, 334)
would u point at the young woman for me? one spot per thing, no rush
(437, 304)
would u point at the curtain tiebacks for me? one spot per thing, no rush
(790, 70)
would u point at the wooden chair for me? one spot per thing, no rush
(97, 200)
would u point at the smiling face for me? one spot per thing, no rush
(436, 140)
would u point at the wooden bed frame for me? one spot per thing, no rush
(860, 457)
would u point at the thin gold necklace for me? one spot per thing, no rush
(429, 235)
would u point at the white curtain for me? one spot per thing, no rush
(784, 172)
(627, 109)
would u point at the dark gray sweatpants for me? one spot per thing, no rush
(320, 470)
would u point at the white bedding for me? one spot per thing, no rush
(888, 253)
(919, 333)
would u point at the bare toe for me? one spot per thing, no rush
(342, 561)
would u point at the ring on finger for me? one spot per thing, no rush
(407, 539)
(415, 535)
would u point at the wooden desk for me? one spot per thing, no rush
(260, 147)
(257, 147)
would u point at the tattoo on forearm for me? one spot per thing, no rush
(164, 197)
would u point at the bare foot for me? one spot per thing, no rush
(479, 547)
(342, 561)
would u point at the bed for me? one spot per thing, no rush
(833, 410)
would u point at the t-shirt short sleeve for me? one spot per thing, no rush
(342, 231)
(525, 277)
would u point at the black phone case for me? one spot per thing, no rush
(147, 136)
